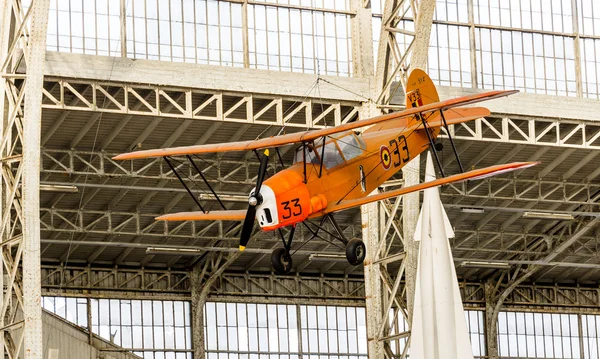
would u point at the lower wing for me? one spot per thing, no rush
(239, 215)
(235, 215)
(471, 175)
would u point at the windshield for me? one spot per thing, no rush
(332, 156)
(310, 155)
(349, 146)
(336, 152)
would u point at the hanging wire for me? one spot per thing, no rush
(118, 44)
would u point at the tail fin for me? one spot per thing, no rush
(420, 90)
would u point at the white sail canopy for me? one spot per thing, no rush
(439, 328)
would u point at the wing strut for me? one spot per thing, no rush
(184, 184)
(280, 159)
(304, 148)
(205, 181)
(322, 157)
(462, 170)
(431, 144)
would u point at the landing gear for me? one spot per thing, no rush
(281, 260)
(355, 251)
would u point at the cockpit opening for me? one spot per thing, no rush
(338, 150)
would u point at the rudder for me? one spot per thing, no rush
(420, 90)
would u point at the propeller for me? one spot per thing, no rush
(254, 200)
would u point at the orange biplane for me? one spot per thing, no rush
(337, 168)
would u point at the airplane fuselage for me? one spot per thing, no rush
(307, 187)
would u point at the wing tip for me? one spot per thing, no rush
(524, 165)
(121, 157)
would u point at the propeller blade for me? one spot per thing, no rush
(262, 170)
(254, 201)
(247, 227)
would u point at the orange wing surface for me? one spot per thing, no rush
(471, 175)
(237, 215)
(458, 115)
(312, 135)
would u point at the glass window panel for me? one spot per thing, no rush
(147, 313)
(221, 314)
(179, 314)
(104, 312)
(231, 315)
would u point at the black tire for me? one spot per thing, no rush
(281, 261)
(356, 251)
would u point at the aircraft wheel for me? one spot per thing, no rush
(439, 146)
(355, 251)
(281, 261)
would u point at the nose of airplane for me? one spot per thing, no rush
(266, 212)
(285, 201)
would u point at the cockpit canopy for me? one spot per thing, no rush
(338, 149)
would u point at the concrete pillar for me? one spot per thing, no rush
(410, 172)
(373, 286)
(577, 48)
(491, 318)
(362, 41)
(197, 304)
(201, 282)
(30, 201)
(410, 215)
(362, 58)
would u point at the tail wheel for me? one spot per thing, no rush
(355, 251)
(281, 261)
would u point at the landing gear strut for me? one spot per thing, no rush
(281, 259)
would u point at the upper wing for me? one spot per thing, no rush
(458, 115)
(234, 215)
(307, 136)
(471, 175)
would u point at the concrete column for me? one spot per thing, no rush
(472, 44)
(423, 25)
(197, 304)
(245, 46)
(30, 201)
(410, 215)
(491, 318)
(362, 58)
(123, 26)
(200, 291)
(373, 287)
(410, 172)
(383, 53)
(362, 41)
(577, 48)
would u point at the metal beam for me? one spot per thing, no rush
(322, 289)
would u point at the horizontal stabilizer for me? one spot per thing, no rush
(471, 175)
(307, 136)
(237, 215)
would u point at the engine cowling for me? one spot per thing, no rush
(286, 201)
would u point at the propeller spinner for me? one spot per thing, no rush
(254, 200)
